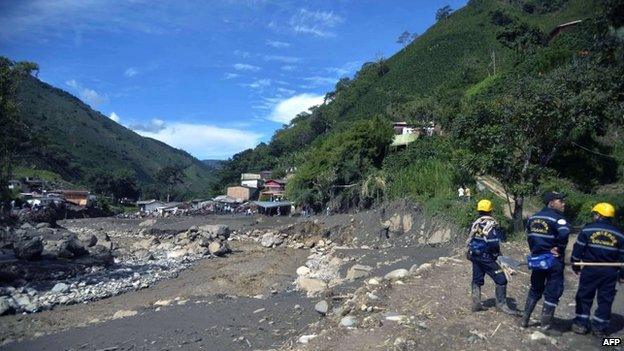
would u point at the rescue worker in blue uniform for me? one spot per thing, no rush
(483, 249)
(547, 236)
(599, 241)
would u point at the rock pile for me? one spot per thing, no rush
(46, 266)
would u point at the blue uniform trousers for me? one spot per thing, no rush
(548, 283)
(600, 280)
(486, 264)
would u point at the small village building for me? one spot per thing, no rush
(273, 208)
(149, 206)
(273, 190)
(251, 176)
(242, 193)
(200, 204)
(15, 185)
(171, 208)
(37, 185)
(77, 197)
(264, 175)
(253, 183)
(404, 134)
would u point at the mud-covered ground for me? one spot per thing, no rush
(248, 299)
(430, 310)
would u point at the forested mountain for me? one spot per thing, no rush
(84, 147)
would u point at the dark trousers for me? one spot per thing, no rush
(482, 265)
(594, 281)
(548, 283)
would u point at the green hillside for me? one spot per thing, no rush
(501, 88)
(81, 145)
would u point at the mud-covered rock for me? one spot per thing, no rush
(28, 249)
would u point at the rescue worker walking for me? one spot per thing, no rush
(547, 236)
(599, 241)
(483, 249)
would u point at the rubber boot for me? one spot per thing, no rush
(501, 300)
(579, 329)
(529, 306)
(548, 316)
(476, 298)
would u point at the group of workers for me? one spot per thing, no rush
(597, 258)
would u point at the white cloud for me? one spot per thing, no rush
(246, 67)
(286, 91)
(231, 76)
(321, 81)
(288, 68)
(87, 95)
(243, 54)
(285, 110)
(205, 141)
(154, 126)
(258, 84)
(285, 59)
(92, 97)
(131, 72)
(319, 23)
(277, 44)
(347, 69)
(114, 117)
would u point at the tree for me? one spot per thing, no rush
(404, 39)
(171, 176)
(443, 13)
(13, 131)
(516, 136)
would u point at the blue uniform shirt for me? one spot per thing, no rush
(546, 229)
(486, 230)
(599, 241)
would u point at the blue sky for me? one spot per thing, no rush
(210, 77)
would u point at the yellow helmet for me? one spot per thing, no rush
(484, 206)
(604, 209)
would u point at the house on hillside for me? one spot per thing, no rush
(37, 185)
(273, 190)
(149, 206)
(242, 193)
(252, 180)
(404, 134)
(562, 28)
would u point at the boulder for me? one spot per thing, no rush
(42, 225)
(321, 307)
(197, 249)
(303, 271)
(268, 240)
(397, 274)
(60, 288)
(203, 241)
(218, 248)
(311, 286)
(215, 230)
(6, 306)
(147, 243)
(88, 240)
(102, 254)
(440, 236)
(72, 247)
(358, 271)
(28, 249)
(348, 321)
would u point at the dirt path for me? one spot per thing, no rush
(497, 189)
